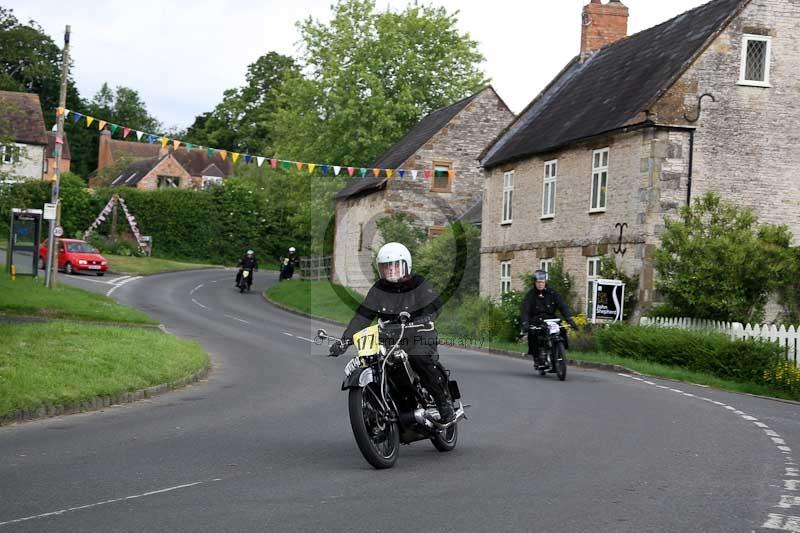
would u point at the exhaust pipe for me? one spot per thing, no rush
(431, 422)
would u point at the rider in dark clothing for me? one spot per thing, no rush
(541, 303)
(399, 291)
(247, 262)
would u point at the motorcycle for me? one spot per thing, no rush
(287, 269)
(387, 403)
(245, 280)
(552, 342)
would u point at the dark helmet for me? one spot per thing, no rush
(539, 275)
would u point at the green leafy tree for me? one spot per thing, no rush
(716, 263)
(242, 121)
(370, 77)
(451, 261)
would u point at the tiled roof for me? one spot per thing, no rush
(421, 133)
(612, 87)
(132, 149)
(360, 186)
(196, 161)
(21, 118)
(137, 170)
(474, 214)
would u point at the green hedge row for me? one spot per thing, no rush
(712, 353)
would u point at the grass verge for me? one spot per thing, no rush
(137, 266)
(319, 298)
(28, 296)
(63, 363)
(327, 303)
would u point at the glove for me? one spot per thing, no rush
(337, 349)
(572, 324)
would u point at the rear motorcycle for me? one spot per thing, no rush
(552, 351)
(245, 280)
(387, 403)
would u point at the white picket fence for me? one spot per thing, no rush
(788, 338)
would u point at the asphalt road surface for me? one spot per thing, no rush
(264, 444)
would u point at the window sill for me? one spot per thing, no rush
(506, 223)
(746, 83)
(596, 211)
(547, 217)
(442, 190)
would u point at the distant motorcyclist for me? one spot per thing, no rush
(247, 262)
(287, 264)
(397, 292)
(541, 303)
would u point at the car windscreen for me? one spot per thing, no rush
(81, 248)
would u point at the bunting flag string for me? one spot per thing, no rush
(325, 169)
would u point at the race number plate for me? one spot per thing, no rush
(366, 341)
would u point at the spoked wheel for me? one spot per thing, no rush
(445, 441)
(377, 438)
(560, 361)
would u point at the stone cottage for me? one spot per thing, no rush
(155, 173)
(636, 126)
(23, 137)
(441, 179)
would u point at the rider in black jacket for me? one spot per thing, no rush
(247, 262)
(399, 291)
(540, 303)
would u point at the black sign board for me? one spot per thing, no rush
(608, 299)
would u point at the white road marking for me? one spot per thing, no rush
(787, 502)
(201, 305)
(105, 502)
(677, 390)
(198, 287)
(304, 338)
(782, 522)
(648, 382)
(790, 471)
(239, 319)
(760, 424)
(785, 449)
(771, 433)
(120, 284)
(289, 334)
(776, 440)
(791, 484)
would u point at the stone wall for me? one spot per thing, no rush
(30, 164)
(167, 167)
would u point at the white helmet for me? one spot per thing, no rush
(396, 256)
(291, 249)
(250, 252)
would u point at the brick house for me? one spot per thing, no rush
(23, 137)
(447, 142)
(619, 137)
(155, 173)
(202, 169)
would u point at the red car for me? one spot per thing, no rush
(75, 255)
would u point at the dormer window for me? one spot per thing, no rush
(756, 52)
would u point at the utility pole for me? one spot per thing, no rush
(50, 272)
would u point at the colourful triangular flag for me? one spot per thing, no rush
(389, 172)
(151, 138)
(113, 128)
(89, 121)
(189, 146)
(336, 170)
(285, 165)
(223, 154)
(259, 160)
(350, 171)
(311, 167)
(175, 143)
(234, 156)
(325, 169)
(101, 124)
(76, 117)
(376, 172)
(299, 165)
(139, 135)
(363, 172)
(451, 173)
(210, 152)
(59, 111)
(247, 158)
(402, 173)
(426, 173)
(414, 174)
(273, 163)
(164, 142)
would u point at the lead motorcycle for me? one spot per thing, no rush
(387, 403)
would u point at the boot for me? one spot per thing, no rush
(446, 412)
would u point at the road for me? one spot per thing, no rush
(264, 443)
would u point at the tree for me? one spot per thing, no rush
(716, 263)
(452, 260)
(242, 121)
(371, 76)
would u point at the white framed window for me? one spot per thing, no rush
(6, 156)
(592, 275)
(505, 277)
(549, 189)
(756, 52)
(508, 197)
(546, 264)
(167, 182)
(210, 181)
(599, 180)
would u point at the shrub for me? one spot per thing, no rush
(710, 352)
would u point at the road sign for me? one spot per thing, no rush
(49, 211)
(58, 231)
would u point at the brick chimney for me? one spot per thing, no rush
(602, 24)
(104, 155)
